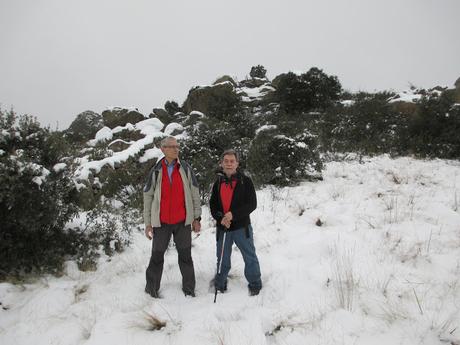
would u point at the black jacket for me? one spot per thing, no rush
(244, 201)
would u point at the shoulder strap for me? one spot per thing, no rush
(189, 173)
(152, 178)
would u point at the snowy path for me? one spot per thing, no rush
(384, 268)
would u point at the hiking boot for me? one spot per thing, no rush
(189, 293)
(153, 293)
(254, 291)
(222, 290)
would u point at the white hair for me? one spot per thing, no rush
(164, 142)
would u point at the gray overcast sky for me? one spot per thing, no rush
(59, 58)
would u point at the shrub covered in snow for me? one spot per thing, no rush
(368, 125)
(36, 199)
(208, 138)
(426, 124)
(277, 159)
(435, 128)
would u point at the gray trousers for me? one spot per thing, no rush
(183, 239)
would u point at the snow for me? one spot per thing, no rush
(146, 127)
(150, 128)
(201, 87)
(151, 154)
(84, 171)
(102, 135)
(256, 92)
(384, 268)
(198, 113)
(117, 108)
(170, 128)
(406, 96)
(41, 171)
(347, 103)
(127, 127)
(59, 167)
(120, 141)
(266, 128)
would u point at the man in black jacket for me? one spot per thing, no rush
(232, 200)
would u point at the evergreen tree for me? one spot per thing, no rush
(258, 71)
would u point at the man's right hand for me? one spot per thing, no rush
(149, 232)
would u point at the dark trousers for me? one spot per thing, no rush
(183, 239)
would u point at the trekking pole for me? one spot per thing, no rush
(220, 262)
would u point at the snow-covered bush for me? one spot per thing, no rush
(277, 159)
(208, 138)
(435, 128)
(107, 230)
(368, 125)
(36, 198)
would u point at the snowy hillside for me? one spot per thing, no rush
(370, 255)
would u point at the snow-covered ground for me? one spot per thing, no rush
(383, 268)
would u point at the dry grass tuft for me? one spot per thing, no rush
(154, 323)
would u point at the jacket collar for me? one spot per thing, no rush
(224, 178)
(159, 164)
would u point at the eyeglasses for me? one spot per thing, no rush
(172, 147)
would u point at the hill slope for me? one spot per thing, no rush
(383, 268)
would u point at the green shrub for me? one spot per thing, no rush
(172, 107)
(277, 159)
(435, 127)
(208, 138)
(370, 125)
(313, 90)
(258, 71)
(35, 200)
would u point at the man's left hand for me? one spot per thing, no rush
(196, 225)
(229, 216)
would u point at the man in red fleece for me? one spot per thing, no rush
(233, 198)
(171, 207)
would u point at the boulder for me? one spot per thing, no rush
(254, 82)
(85, 126)
(215, 100)
(121, 116)
(162, 115)
(225, 78)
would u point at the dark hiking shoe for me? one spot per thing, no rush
(189, 293)
(222, 289)
(254, 291)
(153, 293)
(213, 286)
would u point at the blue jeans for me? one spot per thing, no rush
(247, 249)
